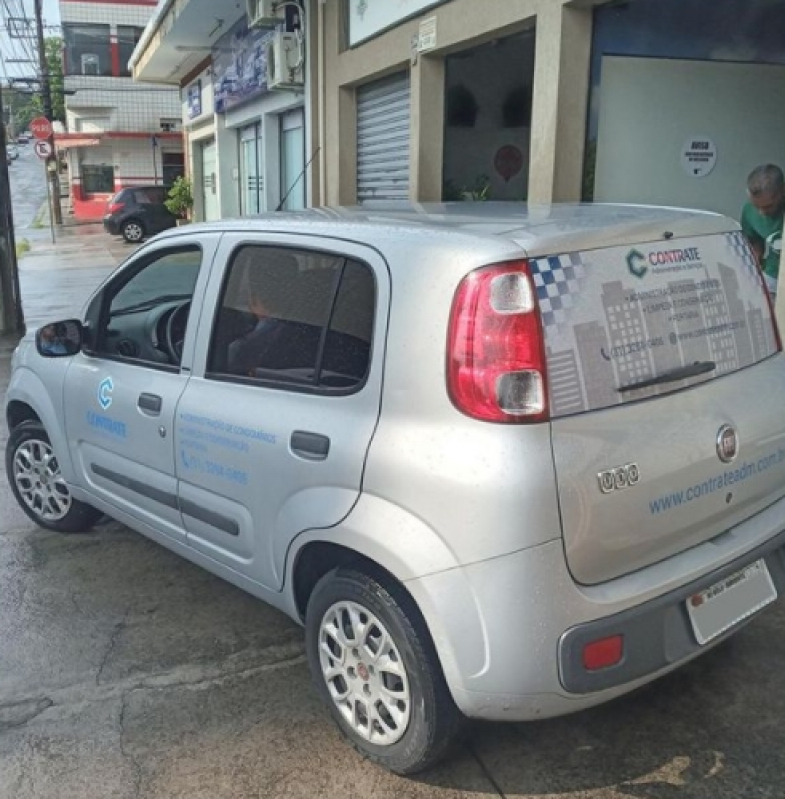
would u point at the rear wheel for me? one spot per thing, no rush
(375, 666)
(37, 483)
(132, 231)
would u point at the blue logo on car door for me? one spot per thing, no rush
(105, 389)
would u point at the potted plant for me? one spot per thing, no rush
(180, 200)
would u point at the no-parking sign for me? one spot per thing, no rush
(43, 149)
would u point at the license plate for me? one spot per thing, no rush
(730, 601)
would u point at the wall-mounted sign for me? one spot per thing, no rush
(369, 17)
(698, 156)
(193, 100)
(427, 38)
(240, 66)
(508, 161)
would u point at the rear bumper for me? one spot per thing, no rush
(657, 634)
(510, 631)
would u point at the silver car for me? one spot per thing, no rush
(501, 462)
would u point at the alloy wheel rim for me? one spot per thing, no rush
(364, 673)
(133, 232)
(38, 479)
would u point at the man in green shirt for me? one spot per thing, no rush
(761, 219)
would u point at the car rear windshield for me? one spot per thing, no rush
(627, 323)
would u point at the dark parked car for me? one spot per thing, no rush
(137, 212)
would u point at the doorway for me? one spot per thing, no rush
(487, 133)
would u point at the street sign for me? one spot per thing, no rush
(41, 128)
(43, 149)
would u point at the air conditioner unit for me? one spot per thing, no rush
(261, 13)
(90, 64)
(285, 61)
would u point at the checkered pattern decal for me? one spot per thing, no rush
(742, 254)
(557, 280)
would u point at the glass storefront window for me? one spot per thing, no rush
(292, 160)
(744, 31)
(251, 170)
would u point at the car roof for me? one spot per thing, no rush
(537, 229)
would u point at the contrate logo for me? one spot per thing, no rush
(105, 389)
(636, 263)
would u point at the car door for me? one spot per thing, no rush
(274, 425)
(121, 393)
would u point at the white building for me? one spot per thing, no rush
(118, 133)
(244, 130)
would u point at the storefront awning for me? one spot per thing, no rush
(69, 142)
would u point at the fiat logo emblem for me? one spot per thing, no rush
(727, 443)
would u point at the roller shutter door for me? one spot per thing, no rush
(383, 139)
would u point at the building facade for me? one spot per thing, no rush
(430, 100)
(244, 124)
(117, 134)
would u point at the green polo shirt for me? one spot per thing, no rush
(766, 230)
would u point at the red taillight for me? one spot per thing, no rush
(115, 208)
(604, 653)
(495, 351)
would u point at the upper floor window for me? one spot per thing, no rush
(128, 37)
(87, 50)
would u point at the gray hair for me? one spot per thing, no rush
(766, 179)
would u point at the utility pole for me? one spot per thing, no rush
(46, 91)
(11, 307)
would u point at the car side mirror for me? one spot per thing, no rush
(60, 339)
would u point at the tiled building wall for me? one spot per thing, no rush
(131, 106)
(129, 112)
(106, 13)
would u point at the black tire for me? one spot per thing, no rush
(434, 722)
(133, 231)
(78, 517)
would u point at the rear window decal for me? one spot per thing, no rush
(612, 320)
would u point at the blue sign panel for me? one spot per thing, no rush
(193, 100)
(240, 66)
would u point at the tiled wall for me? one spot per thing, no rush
(131, 106)
(106, 13)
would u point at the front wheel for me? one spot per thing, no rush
(37, 483)
(132, 231)
(375, 666)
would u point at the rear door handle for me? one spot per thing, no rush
(310, 446)
(150, 403)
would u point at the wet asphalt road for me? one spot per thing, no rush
(127, 672)
(28, 189)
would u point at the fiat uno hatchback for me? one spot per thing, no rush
(501, 462)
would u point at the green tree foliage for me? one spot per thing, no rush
(53, 46)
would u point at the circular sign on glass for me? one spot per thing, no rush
(698, 156)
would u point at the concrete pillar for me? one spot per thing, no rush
(559, 104)
(345, 149)
(227, 168)
(427, 130)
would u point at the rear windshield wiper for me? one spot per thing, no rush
(682, 373)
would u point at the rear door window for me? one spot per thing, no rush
(627, 323)
(294, 318)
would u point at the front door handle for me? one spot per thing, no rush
(310, 446)
(150, 403)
